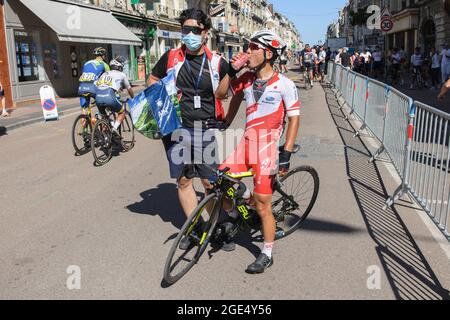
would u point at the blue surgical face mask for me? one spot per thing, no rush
(193, 42)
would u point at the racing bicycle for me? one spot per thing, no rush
(294, 197)
(82, 129)
(104, 141)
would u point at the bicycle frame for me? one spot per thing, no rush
(223, 191)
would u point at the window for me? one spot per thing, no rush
(27, 56)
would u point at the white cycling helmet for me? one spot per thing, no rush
(270, 40)
(115, 64)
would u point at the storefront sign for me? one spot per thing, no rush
(48, 103)
(169, 34)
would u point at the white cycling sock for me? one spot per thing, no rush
(116, 125)
(267, 249)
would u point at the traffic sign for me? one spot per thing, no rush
(386, 13)
(387, 24)
(48, 103)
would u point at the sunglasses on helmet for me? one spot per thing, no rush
(189, 29)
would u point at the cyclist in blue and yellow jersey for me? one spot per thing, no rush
(92, 70)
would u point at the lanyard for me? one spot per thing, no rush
(200, 75)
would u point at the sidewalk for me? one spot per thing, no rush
(32, 112)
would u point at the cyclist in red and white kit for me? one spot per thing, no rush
(269, 96)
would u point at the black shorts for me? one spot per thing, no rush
(184, 150)
(283, 62)
(2, 93)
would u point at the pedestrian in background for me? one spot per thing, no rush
(377, 63)
(435, 68)
(346, 59)
(3, 101)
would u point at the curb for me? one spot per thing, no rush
(28, 122)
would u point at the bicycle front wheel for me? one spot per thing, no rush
(198, 230)
(101, 142)
(81, 134)
(302, 187)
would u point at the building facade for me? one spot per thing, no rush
(46, 42)
(416, 23)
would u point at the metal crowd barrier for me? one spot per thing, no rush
(415, 137)
(428, 177)
(359, 105)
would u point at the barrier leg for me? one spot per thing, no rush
(400, 192)
(376, 154)
(358, 133)
(347, 117)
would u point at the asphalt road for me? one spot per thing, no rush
(116, 224)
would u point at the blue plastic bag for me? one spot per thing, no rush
(156, 111)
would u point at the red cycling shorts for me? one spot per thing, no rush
(259, 156)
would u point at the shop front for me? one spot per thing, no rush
(168, 39)
(45, 49)
(138, 58)
(405, 31)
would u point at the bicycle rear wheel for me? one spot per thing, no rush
(101, 142)
(81, 134)
(302, 187)
(199, 227)
(126, 131)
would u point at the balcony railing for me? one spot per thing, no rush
(121, 5)
(98, 3)
(174, 13)
(161, 10)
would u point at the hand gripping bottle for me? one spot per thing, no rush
(240, 62)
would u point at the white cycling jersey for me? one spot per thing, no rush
(113, 79)
(268, 113)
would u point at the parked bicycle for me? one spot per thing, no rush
(104, 141)
(294, 197)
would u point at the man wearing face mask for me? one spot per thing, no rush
(199, 72)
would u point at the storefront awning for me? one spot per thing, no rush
(82, 24)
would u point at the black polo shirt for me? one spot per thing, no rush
(186, 82)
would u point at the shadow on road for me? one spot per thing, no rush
(408, 272)
(161, 201)
(315, 225)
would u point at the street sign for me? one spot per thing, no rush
(385, 13)
(387, 24)
(48, 103)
